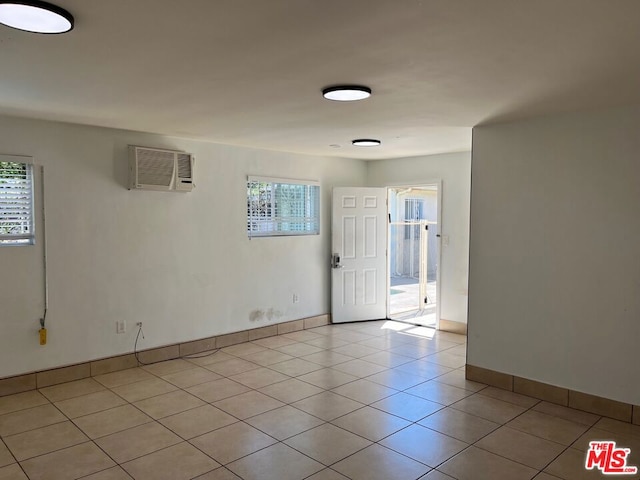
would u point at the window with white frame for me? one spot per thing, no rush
(282, 207)
(16, 202)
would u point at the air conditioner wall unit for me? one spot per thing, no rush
(158, 169)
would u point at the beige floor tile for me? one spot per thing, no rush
(138, 441)
(299, 349)
(190, 377)
(379, 463)
(439, 392)
(114, 473)
(21, 401)
(407, 406)
(510, 397)
(545, 476)
(436, 475)
(303, 336)
(460, 425)
(122, 377)
(217, 390)
(356, 350)
(327, 378)
(243, 349)
(268, 357)
(396, 379)
(457, 378)
(327, 443)
(168, 367)
(29, 419)
(327, 405)
(258, 378)
(570, 466)
(248, 404)
(295, 367)
(327, 474)
(219, 474)
(359, 368)
(198, 421)
(364, 391)
(535, 452)
(208, 358)
(388, 359)
(548, 427)
(44, 440)
(327, 342)
(274, 342)
(70, 463)
(424, 445)
(327, 358)
(277, 462)
(232, 442)
(179, 462)
(133, 392)
(168, 404)
(91, 403)
(5, 455)
(489, 408)
(371, 423)
(423, 369)
(12, 472)
(567, 413)
(622, 441)
(414, 351)
(232, 367)
(352, 337)
(111, 421)
(284, 422)
(446, 360)
(291, 390)
(71, 389)
(477, 464)
(616, 426)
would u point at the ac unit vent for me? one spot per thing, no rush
(156, 169)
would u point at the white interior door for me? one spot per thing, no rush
(359, 242)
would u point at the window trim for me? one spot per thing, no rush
(17, 240)
(284, 233)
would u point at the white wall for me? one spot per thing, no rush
(180, 263)
(454, 171)
(555, 251)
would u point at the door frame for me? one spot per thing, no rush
(438, 183)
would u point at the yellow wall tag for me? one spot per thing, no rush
(43, 336)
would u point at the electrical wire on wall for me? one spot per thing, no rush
(186, 357)
(44, 259)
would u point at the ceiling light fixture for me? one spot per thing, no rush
(35, 16)
(346, 93)
(366, 142)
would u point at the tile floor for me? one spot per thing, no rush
(364, 401)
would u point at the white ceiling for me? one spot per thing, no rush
(250, 72)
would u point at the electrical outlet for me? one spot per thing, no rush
(295, 298)
(121, 326)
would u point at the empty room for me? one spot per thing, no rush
(293, 239)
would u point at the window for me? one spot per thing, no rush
(282, 207)
(16, 202)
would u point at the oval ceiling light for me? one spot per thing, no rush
(366, 142)
(35, 16)
(346, 93)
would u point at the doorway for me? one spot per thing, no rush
(414, 254)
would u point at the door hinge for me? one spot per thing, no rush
(426, 299)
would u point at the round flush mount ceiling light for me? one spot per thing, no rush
(35, 16)
(366, 142)
(346, 93)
